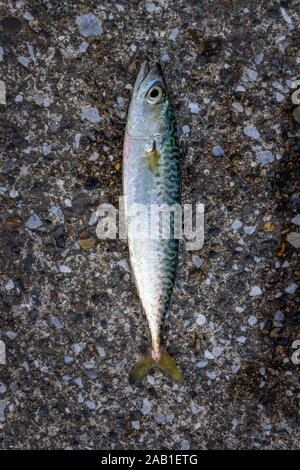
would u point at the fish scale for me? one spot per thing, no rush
(151, 175)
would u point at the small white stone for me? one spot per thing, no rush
(165, 58)
(56, 322)
(249, 229)
(296, 219)
(2, 353)
(285, 16)
(252, 74)
(34, 222)
(146, 408)
(265, 157)
(89, 25)
(256, 290)
(135, 424)
(202, 364)
(185, 445)
(237, 224)
(23, 61)
(151, 8)
(2, 92)
(186, 129)
(194, 108)
(124, 264)
(241, 339)
(11, 334)
(291, 288)
(197, 261)
(294, 239)
(259, 58)
(252, 320)
(217, 351)
(27, 16)
(64, 269)
(174, 34)
(201, 319)
(237, 106)
(240, 88)
(13, 193)
(93, 218)
(10, 285)
(217, 151)
(252, 132)
(91, 114)
(84, 46)
(208, 355)
(279, 97)
(101, 351)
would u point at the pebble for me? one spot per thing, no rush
(56, 322)
(91, 114)
(174, 34)
(241, 339)
(146, 408)
(294, 239)
(185, 445)
(252, 74)
(10, 285)
(256, 290)
(201, 319)
(252, 320)
(34, 222)
(296, 219)
(93, 218)
(197, 261)
(2, 352)
(135, 424)
(65, 269)
(237, 106)
(252, 132)
(202, 364)
(2, 92)
(46, 149)
(265, 157)
(259, 58)
(249, 229)
(217, 351)
(194, 108)
(89, 25)
(3, 405)
(159, 418)
(165, 58)
(237, 224)
(279, 97)
(23, 61)
(291, 288)
(208, 355)
(217, 151)
(186, 129)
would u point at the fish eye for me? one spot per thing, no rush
(155, 95)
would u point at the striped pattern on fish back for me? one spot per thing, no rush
(170, 177)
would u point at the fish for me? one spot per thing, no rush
(151, 175)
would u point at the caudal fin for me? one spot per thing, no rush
(165, 363)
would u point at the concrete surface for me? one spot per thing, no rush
(70, 318)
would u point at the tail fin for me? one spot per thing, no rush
(165, 364)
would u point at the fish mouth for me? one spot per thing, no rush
(144, 72)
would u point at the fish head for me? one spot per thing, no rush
(147, 115)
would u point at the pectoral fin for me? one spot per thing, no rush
(153, 158)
